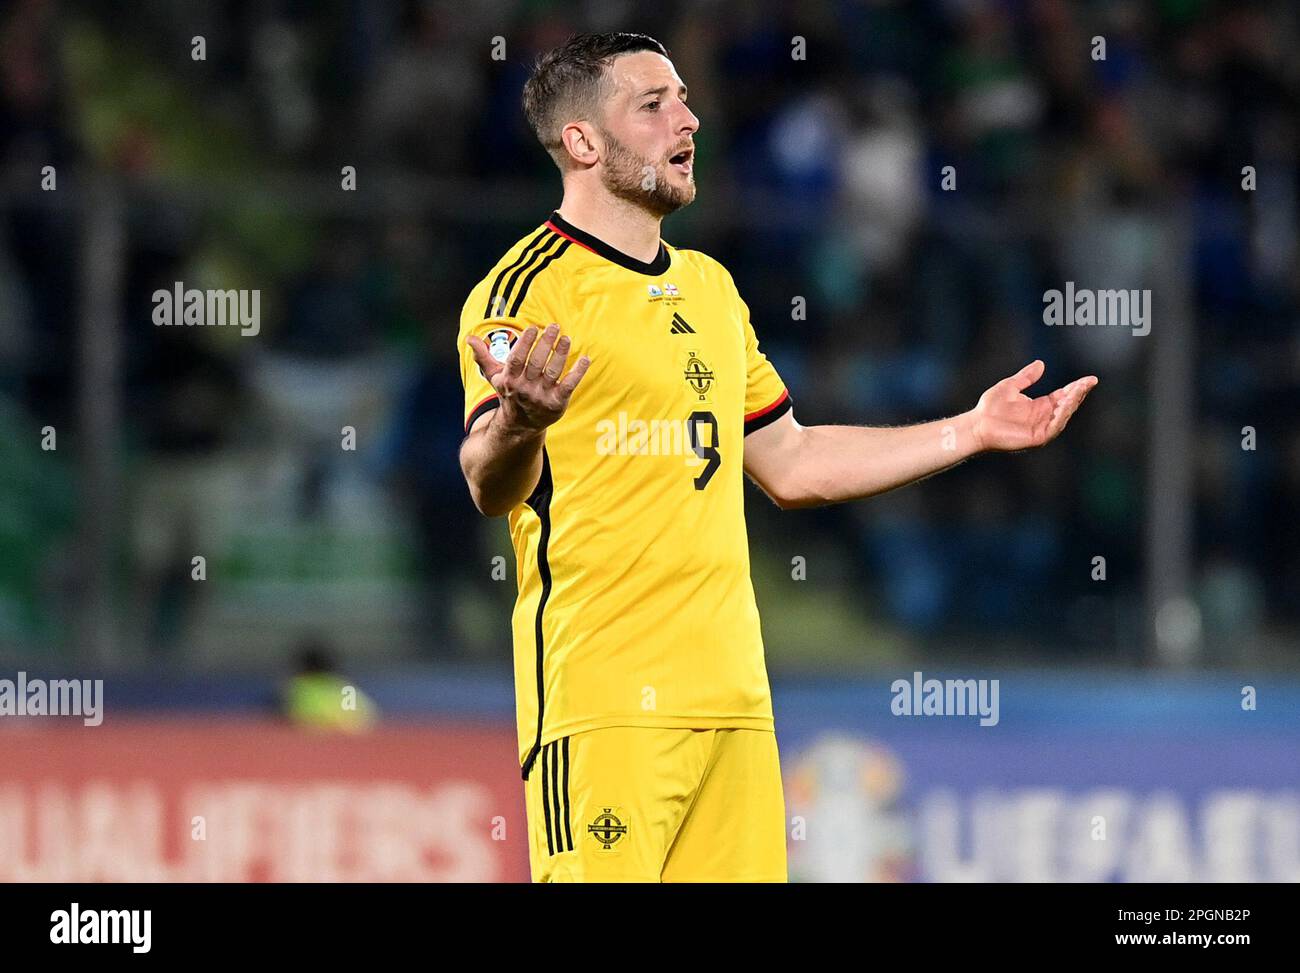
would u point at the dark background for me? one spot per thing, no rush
(819, 178)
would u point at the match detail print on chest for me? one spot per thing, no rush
(657, 348)
(686, 338)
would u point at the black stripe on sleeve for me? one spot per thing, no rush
(548, 246)
(523, 289)
(542, 234)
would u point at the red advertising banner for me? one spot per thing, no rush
(191, 800)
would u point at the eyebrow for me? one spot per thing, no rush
(681, 92)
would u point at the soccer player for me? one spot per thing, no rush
(614, 393)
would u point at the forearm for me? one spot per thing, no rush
(836, 463)
(502, 464)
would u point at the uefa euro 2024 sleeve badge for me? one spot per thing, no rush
(499, 342)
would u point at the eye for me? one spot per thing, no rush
(651, 106)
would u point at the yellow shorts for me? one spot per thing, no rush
(650, 804)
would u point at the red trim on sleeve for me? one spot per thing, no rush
(478, 410)
(785, 394)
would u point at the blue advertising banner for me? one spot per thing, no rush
(1079, 779)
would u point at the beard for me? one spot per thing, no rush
(631, 177)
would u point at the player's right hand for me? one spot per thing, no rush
(531, 383)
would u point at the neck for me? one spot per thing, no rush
(623, 225)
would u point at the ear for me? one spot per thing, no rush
(579, 140)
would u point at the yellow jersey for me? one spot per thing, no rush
(635, 605)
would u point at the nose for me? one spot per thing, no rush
(689, 124)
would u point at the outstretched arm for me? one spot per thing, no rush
(808, 466)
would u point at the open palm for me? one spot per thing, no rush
(1007, 419)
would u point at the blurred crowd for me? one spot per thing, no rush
(1103, 143)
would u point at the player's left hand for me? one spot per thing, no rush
(1006, 419)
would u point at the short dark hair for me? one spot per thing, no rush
(566, 82)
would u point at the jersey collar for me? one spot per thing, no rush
(584, 239)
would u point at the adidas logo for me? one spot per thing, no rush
(680, 326)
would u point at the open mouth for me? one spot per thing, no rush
(682, 160)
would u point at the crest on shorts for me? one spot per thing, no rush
(608, 827)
